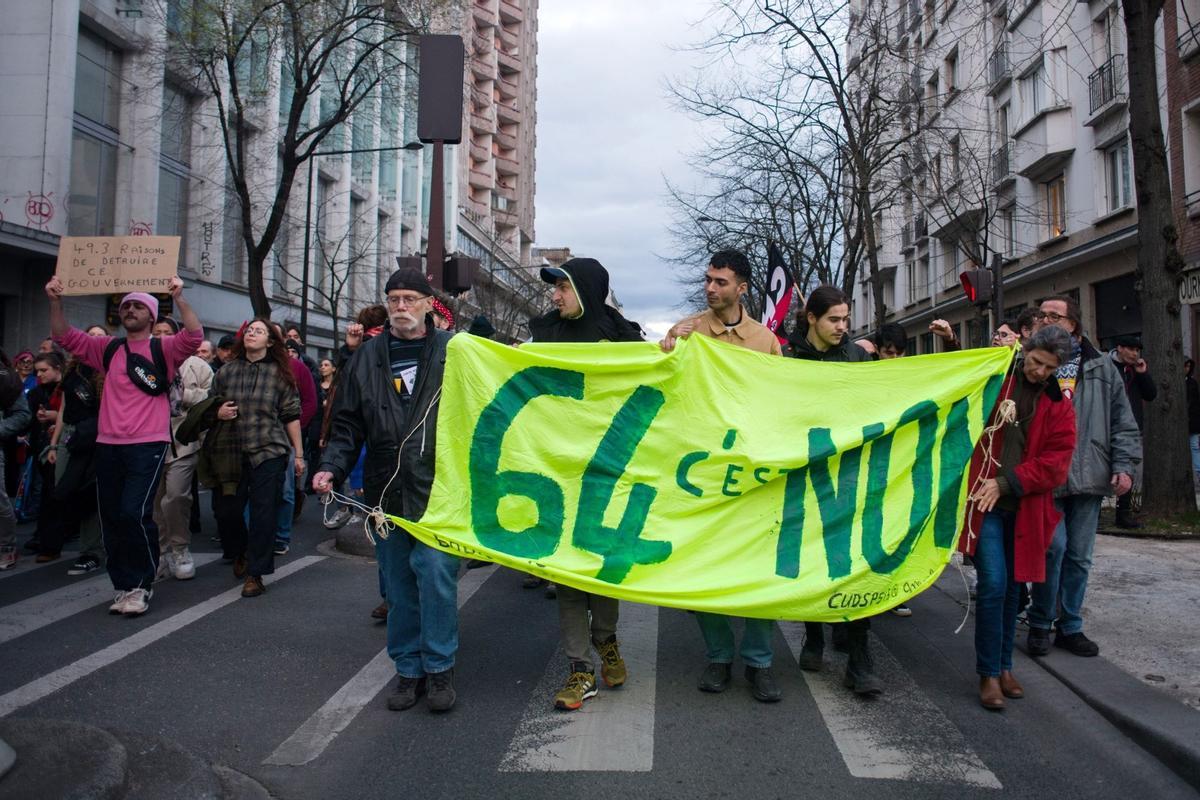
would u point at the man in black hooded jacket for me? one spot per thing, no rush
(582, 315)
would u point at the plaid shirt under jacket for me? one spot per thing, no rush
(266, 403)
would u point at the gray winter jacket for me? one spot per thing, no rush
(1107, 439)
(14, 420)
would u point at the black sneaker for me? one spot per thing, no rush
(1038, 643)
(405, 695)
(281, 548)
(441, 695)
(715, 677)
(763, 685)
(83, 565)
(1076, 644)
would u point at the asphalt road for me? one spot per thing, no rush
(290, 687)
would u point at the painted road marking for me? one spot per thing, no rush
(49, 607)
(61, 678)
(876, 738)
(318, 731)
(27, 563)
(614, 731)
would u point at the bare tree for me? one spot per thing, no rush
(328, 58)
(1168, 475)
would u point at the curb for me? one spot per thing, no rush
(1159, 724)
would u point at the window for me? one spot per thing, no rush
(94, 141)
(1008, 232)
(1117, 177)
(950, 72)
(955, 160)
(1002, 128)
(321, 230)
(174, 170)
(916, 282)
(1032, 91)
(1056, 209)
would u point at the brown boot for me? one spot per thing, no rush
(1009, 685)
(990, 696)
(380, 611)
(239, 567)
(253, 586)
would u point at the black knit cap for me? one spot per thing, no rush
(410, 279)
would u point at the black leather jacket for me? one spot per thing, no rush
(368, 410)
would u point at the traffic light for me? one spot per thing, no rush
(977, 283)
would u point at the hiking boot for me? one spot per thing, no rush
(253, 587)
(117, 603)
(990, 695)
(715, 677)
(405, 695)
(812, 655)
(581, 684)
(83, 565)
(8, 556)
(136, 602)
(1010, 686)
(860, 670)
(441, 695)
(380, 611)
(180, 563)
(1038, 643)
(1076, 644)
(763, 685)
(612, 666)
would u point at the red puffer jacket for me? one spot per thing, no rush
(1049, 446)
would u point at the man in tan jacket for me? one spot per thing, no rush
(727, 279)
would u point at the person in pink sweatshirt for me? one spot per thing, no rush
(134, 429)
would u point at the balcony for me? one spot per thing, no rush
(506, 165)
(1188, 42)
(921, 227)
(508, 62)
(1106, 89)
(506, 141)
(1002, 165)
(485, 17)
(511, 11)
(483, 66)
(479, 152)
(999, 69)
(480, 179)
(508, 87)
(906, 237)
(509, 42)
(483, 120)
(481, 45)
(508, 112)
(1044, 144)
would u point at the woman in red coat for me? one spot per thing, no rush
(1021, 459)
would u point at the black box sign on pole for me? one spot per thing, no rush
(409, 262)
(440, 90)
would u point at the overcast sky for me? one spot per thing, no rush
(606, 136)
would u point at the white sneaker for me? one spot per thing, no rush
(118, 604)
(339, 518)
(136, 603)
(8, 556)
(164, 569)
(183, 568)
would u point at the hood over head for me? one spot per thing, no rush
(599, 322)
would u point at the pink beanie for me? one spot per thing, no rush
(141, 297)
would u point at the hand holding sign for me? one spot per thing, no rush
(117, 264)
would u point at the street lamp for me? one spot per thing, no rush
(412, 146)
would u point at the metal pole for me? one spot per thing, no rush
(435, 251)
(304, 274)
(997, 290)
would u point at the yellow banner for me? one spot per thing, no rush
(713, 478)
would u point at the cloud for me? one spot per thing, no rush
(608, 134)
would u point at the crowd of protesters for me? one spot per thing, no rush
(108, 438)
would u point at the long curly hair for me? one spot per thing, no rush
(276, 349)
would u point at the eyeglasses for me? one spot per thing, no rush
(1050, 316)
(403, 301)
(257, 331)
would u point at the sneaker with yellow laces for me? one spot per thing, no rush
(612, 666)
(580, 686)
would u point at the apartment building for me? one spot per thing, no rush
(1180, 69)
(101, 139)
(1019, 151)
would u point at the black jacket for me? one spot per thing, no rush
(1139, 387)
(599, 321)
(368, 409)
(1193, 405)
(846, 351)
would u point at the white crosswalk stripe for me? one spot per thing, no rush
(47, 608)
(28, 563)
(48, 684)
(876, 738)
(318, 731)
(613, 731)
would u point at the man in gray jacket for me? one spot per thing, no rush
(14, 419)
(1108, 446)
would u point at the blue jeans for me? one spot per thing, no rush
(127, 478)
(1068, 562)
(422, 595)
(757, 639)
(1194, 442)
(287, 503)
(996, 595)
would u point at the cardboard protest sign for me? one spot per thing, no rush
(665, 479)
(117, 264)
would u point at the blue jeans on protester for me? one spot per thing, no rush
(757, 638)
(127, 478)
(1194, 444)
(422, 595)
(996, 595)
(1068, 562)
(287, 503)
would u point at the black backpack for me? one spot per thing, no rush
(151, 378)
